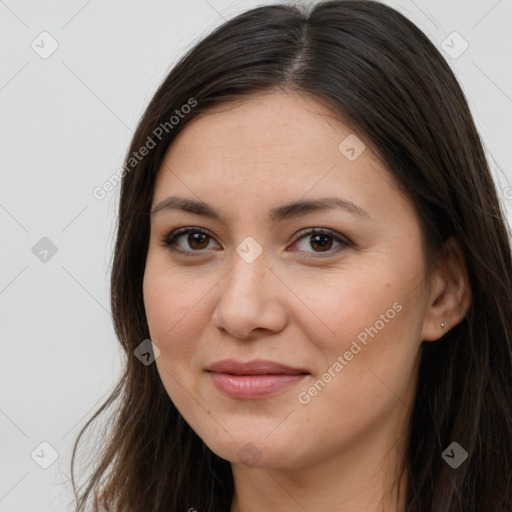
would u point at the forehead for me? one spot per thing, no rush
(276, 124)
(270, 149)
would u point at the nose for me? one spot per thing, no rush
(251, 299)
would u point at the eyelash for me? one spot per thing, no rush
(169, 240)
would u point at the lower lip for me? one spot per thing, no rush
(253, 386)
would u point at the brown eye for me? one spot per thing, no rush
(321, 240)
(197, 240)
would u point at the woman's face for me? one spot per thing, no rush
(345, 305)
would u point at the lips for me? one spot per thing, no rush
(254, 367)
(256, 379)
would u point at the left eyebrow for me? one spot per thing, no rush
(295, 209)
(300, 208)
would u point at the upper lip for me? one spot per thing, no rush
(254, 367)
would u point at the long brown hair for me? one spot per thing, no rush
(377, 71)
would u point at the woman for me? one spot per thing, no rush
(312, 280)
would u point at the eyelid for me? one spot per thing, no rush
(323, 231)
(168, 240)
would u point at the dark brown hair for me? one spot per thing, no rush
(376, 70)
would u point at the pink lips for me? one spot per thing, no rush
(253, 379)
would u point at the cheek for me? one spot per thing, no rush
(173, 310)
(167, 299)
(364, 329)
(175, 305)
(339, 306)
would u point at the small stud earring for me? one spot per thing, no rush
(442, 325)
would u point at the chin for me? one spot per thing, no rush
(253, 451)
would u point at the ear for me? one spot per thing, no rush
(450, 293)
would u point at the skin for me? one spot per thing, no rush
(297, 303)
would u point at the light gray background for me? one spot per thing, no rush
(65, 125)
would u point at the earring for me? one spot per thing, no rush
(442, 325)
